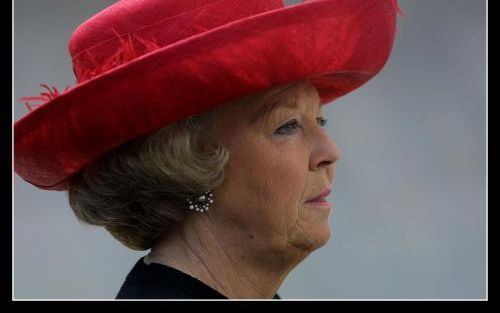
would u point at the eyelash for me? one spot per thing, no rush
(322, 121)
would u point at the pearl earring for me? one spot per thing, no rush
(202, 203)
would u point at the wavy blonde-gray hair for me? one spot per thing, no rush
(137, 191)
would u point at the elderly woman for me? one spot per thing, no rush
(197, 131)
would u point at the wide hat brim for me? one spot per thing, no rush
(338, 45)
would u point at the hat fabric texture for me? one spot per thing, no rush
(141, 65)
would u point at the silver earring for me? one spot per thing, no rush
(201, 203)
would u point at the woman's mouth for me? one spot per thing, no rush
(319, 202)
(321, 196)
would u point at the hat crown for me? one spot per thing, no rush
(129, 29)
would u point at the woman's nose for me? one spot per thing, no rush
(324, 151)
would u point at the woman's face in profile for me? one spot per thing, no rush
(278, 160)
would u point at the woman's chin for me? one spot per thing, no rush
(324, 234)
(315, 239)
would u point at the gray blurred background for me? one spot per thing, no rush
(409, 194)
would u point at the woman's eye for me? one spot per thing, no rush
(292, 125)
(322, 121)
(288, 128)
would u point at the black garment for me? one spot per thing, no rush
(158, 281)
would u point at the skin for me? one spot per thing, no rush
(259, 226)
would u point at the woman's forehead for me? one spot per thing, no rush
(256, 109)
(293, 98)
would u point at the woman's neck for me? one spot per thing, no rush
(224, 259)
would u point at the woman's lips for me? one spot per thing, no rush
(321, 196)
(320, 201)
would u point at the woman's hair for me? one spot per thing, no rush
(137, 191)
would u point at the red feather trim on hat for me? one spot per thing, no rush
(125, 53)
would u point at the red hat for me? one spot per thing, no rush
(143, 64)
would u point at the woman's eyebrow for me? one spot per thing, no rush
(267, 108)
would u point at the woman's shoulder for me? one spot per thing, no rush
(158, 281)
(145, 290)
